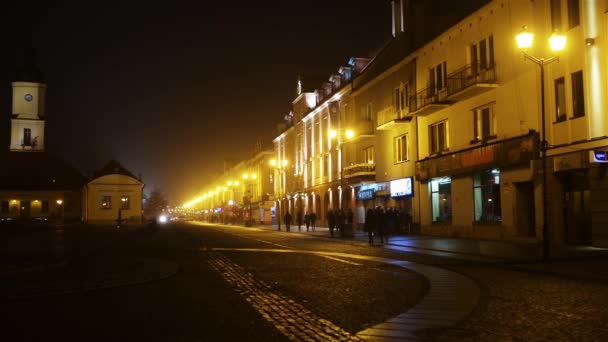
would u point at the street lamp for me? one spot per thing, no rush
(557, 43)
(280, 169)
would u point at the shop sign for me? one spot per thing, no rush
(402, 187)
(516, 151)
(367, 194)
(598, 156)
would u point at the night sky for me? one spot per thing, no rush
(172, 89)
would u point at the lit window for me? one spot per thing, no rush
(486, 190)
(485, 122)
(125, 202)
(106, 202)
(400, 149)
(441, 199)
(560, 99)
(438, 134)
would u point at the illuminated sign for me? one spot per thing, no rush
(598, 156)
(365, 194)
(402, 187)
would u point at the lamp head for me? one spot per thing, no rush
(350, 134)
(557, 42)
(524, 39)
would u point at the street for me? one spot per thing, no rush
(191, 281)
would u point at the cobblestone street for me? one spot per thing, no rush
(194, 282)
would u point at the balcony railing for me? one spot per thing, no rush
(357, 170)
(389, 117)
(426, 98)
(469, 76)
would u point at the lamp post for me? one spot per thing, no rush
(280, 169)
(557, 42)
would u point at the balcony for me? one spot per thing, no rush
(471, 80)
(389, 118)
(358, 173)
(427, 101)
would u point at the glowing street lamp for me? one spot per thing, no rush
(557, 42)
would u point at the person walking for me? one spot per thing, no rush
(313, 221)
(331, 222)
(299, 220)
(370, 225)
(287, 221)
(380, 222)
(307, 220)
(340, 222)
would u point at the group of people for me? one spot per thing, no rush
(339, 220)
(310, 219)
(382, 222)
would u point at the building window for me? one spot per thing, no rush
(578, 95)
(441, 199)
(27, 137)
(45, 207)
(399, 99)
(438, 78)
(368, 155)
(106, 202)
(125, 202)
(486, 193)
(438, 134)
(400, 149)
(4, 207)
(574, 15)
(560, 99)
(556, 15)
(481, 55)
(485, 122)
(368, 112)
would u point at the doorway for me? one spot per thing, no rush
(577, 209)
(525, 209)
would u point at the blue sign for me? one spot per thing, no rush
(363, 195)
(600, 156)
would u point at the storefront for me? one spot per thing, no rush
(475, 192)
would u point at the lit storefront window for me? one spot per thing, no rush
(486, 190)
(441, 199)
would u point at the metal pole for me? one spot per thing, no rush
(279, 204)
(543, 149)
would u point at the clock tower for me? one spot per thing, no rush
(28, 115)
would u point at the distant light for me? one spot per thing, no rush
(525, 39)
(273, 162)
(60, 201)
(245, 176)
(231, 202)
(162, 219)
(284, 162)
(218, 188)
(254, 176)
(350, 134)
(236, 183)
(333, 133)
(229, 183)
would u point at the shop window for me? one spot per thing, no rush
(125, 202)
(485, 122)
(441, 199)
(560, 99)
(106, 202)
(438, 134)
(4, 207)
(486, 196)
(45, 207)
(400, 149)
(578, 95)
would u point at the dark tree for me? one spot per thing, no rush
(155, 203)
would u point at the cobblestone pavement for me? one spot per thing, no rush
(292, 319)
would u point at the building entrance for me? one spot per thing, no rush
(577, 209)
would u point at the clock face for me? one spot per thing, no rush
(28, 97)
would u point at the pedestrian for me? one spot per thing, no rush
(307, 220)
(340, 221)
(380, 222)
(299, 220)
(313, 221)
(287, 221)
(331, 222)
(370, 225)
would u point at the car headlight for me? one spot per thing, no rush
(162, 219)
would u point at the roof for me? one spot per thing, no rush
(37, 171)
(113, 167)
